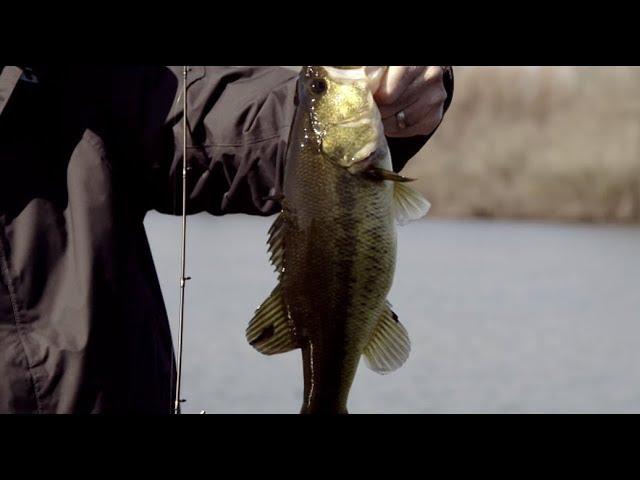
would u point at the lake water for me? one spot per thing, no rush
(504, 317)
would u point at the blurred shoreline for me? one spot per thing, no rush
(539, 143)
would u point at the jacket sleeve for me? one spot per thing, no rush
(238, 125)
(239, 120)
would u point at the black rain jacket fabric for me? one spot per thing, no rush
(85, 153)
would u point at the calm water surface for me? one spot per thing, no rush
(503, 317)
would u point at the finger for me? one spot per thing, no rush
(421, 118)
(394, 82)
(430, 79)
(426, 127)
(374, 76)
(433, 98)
(434, 74)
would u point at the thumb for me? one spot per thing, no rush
(374, 75)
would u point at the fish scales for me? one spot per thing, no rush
(339, 266)
(334, 244)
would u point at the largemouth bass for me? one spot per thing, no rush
(334, 244)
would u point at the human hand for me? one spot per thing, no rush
(411, 99)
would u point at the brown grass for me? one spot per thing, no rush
(558, 143)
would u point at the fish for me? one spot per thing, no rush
(334, 243)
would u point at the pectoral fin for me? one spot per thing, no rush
(389, 345)
(408, 204)
(270, 331)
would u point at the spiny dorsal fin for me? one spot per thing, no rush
(270, 331)
(389, 345)
(408, 204)
(276, 243)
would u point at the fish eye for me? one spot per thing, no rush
(318, 86)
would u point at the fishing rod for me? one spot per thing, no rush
(183, 271)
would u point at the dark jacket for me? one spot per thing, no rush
(85, 153)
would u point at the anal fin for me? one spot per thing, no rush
(270, 331)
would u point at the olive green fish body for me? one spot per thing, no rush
(334, 244)
(339, 259)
